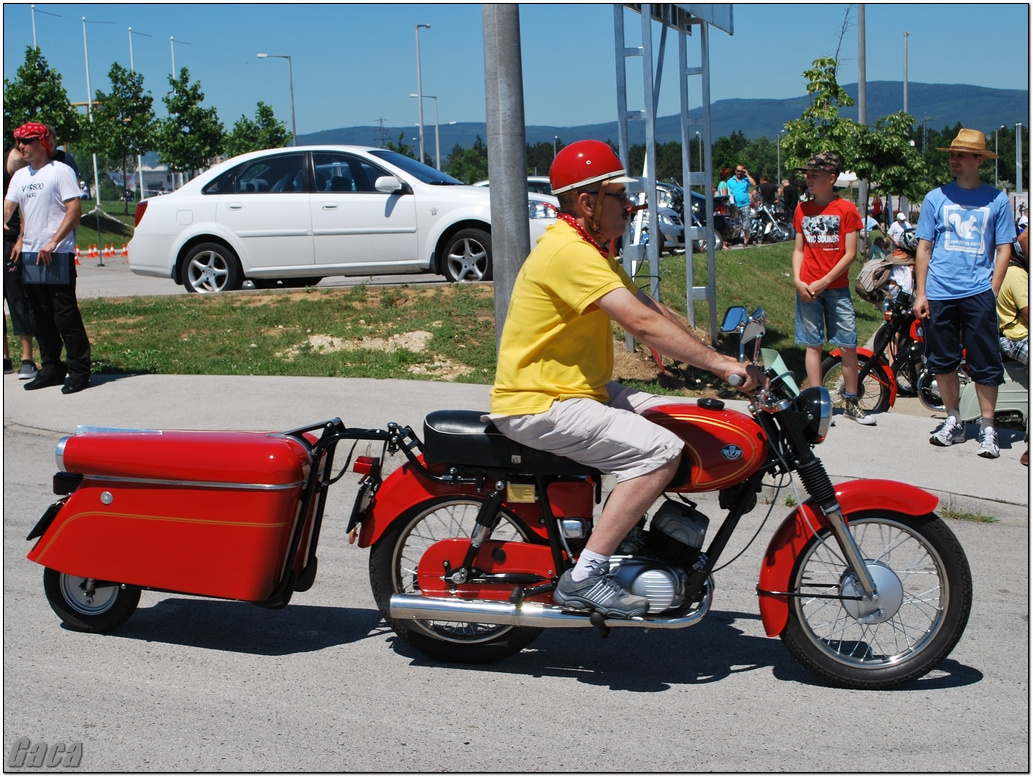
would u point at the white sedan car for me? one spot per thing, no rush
(293, 216)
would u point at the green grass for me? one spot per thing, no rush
(431, 333)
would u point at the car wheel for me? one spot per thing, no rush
(210, 268)
(467, 256)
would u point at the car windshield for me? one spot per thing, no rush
(417, 170)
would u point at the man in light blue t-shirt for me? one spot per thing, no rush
(739, 185)
(965, 231)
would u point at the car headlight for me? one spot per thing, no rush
(665, 219)
(537, 209)
(816, 404)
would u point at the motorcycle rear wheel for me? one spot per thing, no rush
(925, 589)
(393, 567)
(873, 395)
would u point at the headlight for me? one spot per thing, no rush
(816, 403)
(536, 209)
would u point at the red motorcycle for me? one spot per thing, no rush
(895, 364)
(468, 536)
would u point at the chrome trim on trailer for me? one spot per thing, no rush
(197, 483)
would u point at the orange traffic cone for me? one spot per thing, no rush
(125, 251)
(78, 254)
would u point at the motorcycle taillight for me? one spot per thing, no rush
(365, 464)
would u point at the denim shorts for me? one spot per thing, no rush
(969, 322)
(832, 313)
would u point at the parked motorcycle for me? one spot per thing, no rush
(896, 365)
(893, 364)
(864, 584)
(768, 226)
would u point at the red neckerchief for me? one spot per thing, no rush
(583, 233)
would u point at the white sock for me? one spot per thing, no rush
(586, 562)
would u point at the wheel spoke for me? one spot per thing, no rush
(921, 579)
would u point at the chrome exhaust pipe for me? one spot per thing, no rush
(531, 614)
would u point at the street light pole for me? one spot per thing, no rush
(905, 70)
(419, 84)
(996, 133)
(437, 140)
(172, 48)
(139, 159)
(33, 10)
(89, 110)
(290, 77)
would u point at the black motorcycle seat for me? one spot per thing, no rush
(460, 437)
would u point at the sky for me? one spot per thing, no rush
(355, 64)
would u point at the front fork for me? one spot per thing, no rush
(817, 483)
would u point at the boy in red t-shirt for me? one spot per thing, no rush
(826, 244)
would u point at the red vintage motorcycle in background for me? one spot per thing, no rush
(864, 584)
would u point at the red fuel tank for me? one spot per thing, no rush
(724, 446)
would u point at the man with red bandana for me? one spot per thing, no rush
(553, 386)
(47, 193)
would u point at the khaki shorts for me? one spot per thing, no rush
(612, 437)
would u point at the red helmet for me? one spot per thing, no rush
(583, 163)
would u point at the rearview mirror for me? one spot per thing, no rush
(735, 318)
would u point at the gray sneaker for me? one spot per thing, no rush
(949, 433)
(28, 371)
(853, 411)
(988, 448)
(599, 591)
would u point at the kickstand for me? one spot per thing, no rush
(599, 621)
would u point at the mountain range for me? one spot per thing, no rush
(936, 105)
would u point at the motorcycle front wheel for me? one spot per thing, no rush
(873, 394)
(925, 594)
(393, 568)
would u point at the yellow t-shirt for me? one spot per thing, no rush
(1013, 297)
(556, 343)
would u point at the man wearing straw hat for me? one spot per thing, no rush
(965, 231)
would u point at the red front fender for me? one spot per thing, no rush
(800, 525)
(881, 365)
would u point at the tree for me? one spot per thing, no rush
(887, 157)
(123, 123)
(468, 164)
(402, 148)
(37, 94)
(821, 128)
(191, 136)
(265, 131)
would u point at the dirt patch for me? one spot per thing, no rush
(409, 341)
(634, 365)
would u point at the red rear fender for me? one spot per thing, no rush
(799, 526)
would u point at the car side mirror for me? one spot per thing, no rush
(388, 184)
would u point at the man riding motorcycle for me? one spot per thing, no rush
(553, 386)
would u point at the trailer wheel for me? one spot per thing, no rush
(88, 605)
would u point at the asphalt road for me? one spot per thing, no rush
(322, 685)
(191, 684)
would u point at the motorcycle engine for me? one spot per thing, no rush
(658, 559)
(662, 584)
